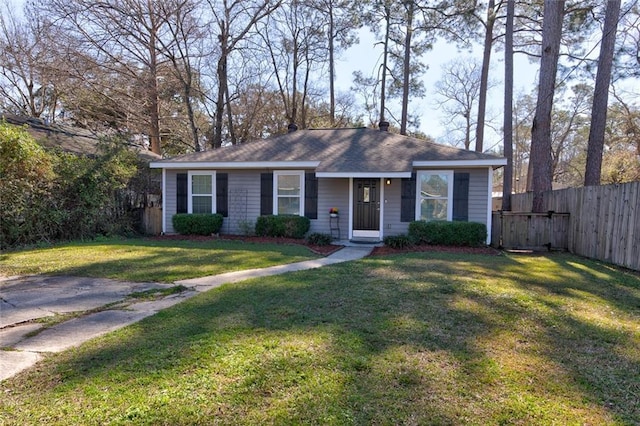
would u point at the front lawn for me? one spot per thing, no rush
(150, 259)
(425, 338)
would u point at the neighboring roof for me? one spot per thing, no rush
(68, 138)
(359, 152)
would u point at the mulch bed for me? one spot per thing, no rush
(329, 249)
(321, 250)
(384, 250)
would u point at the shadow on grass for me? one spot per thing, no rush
(432, 339)
(156, 260)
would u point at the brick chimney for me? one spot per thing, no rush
(292, 128)
(384, 126)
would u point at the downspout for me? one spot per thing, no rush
(489, 201)
(164, 201)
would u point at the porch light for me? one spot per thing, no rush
(388, 181)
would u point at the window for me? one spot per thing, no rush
(434, 195)
(288, 188)
(201, 196)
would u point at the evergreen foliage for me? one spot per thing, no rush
(197, 224)
(49, 196)
(448, 233)
(319, 239)
(288, 226)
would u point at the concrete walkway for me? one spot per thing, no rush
(25, 299)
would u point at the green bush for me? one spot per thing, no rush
(289, 226)
(448, 233)
(398, 241)
(319, 239)
(197, 224)
(48, 195)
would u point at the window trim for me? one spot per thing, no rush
(276, 196)
(190, 194)
(419, 175)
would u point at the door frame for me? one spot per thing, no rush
(355, 233)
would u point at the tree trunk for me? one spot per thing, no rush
(332, 94)
(154, 109)
(383, 83)
(221, 72)
(294, 84)
(540, 158)
(507, 179)
(232, 131)
(406, 69)
(601, 95)
(192, 120)
(484, 75)
(467, 131)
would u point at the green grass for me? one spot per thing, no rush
(147, 260)
(425, 338)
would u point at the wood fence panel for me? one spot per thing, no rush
(604, 221)
(152, 220)
(530, 231)
(632, 258)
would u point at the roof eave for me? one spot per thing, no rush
(493, 162)
(363, 174)
(241, 165)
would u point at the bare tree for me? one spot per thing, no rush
(541, 129)
(28, 77)
(601, 95)
(458, 90)
(183, 47)
(232, 20)
(296, 48)
(119, 37)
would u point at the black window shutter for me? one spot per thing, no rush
(408, 199)
(461, 196)
(182, 192)
(311, 195)
(222, 192)
(266, 194)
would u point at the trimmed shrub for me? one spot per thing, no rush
(288, 226)
(398, 241)
(197, 224)
(319, 239)
(49, 195)
(471, 234)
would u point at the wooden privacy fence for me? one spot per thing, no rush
(530, 231)
(603, 223)
(151, 220)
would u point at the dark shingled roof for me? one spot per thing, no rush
(359, 150)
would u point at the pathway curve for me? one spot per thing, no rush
(24, 299)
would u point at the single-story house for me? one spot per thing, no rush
(377, 180)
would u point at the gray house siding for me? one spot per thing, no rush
(332, 192)
(170, 198)
(244, 202)
(478, 197)
(392, 224)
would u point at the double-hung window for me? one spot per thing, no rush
(288, 190)
(201, 195)
(434, 195)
